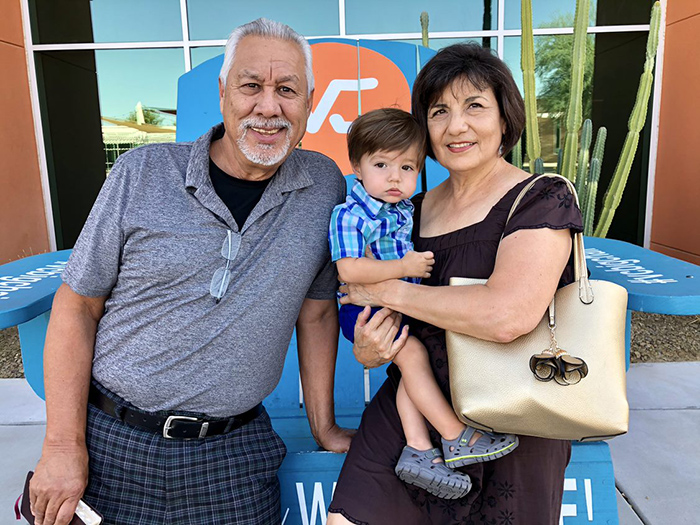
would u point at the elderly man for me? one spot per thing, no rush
(180, 297)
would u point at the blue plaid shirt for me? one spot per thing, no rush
(363, 220)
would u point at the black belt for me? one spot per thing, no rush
(171, 425)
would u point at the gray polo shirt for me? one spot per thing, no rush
(152, 243)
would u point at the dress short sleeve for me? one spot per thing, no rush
(548, 204)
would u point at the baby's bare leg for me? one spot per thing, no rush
(423, 390)
(412, 421)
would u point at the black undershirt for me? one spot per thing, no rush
(239, 195)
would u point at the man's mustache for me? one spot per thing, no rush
(265, 123)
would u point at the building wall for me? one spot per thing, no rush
(22, 220)
(676, 213)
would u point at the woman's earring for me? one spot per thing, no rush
(500, 150)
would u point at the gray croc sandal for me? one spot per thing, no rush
(416, 467)
(458, 453)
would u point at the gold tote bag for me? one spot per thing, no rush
(564, 380)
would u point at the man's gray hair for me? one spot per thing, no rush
(267, 29)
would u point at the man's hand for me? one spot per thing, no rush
(58, 483)
(418, 264)
(374, 339)
(62, 472)
(317, 342)
(335, 439)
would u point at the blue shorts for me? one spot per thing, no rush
(347, 316)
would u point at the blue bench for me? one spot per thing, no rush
(27, 287)
(656, 283)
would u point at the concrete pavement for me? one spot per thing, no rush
(657, 464)
(22, 428)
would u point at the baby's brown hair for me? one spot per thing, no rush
(386, 129)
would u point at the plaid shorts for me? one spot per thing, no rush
(139, 477)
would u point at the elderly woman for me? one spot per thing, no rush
(474, 114)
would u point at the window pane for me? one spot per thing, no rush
(552, 80)
(138, 97)
(547, 13)
(202, 54)
(560, 13)
(624, 12)
(136, 20)
(215, 19)
(403, 16)
(105, 21)
(70, 112)
(619, 63)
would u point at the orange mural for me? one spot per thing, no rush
(344, 90)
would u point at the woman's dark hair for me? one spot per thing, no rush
(385, 129)
(483, 69)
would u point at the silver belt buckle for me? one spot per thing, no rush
(168, 425)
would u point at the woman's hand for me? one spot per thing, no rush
(374, 338)
(366, 294)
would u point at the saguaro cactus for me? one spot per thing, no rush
(527, 64)
(639, 112)
(560, 156)
(539, 166)
(574, 113)
(587, 199)
(583, 155)
(588, 206)
(517, 155)
(598, 149)
(424, 27)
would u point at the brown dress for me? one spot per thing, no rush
(522, 488)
